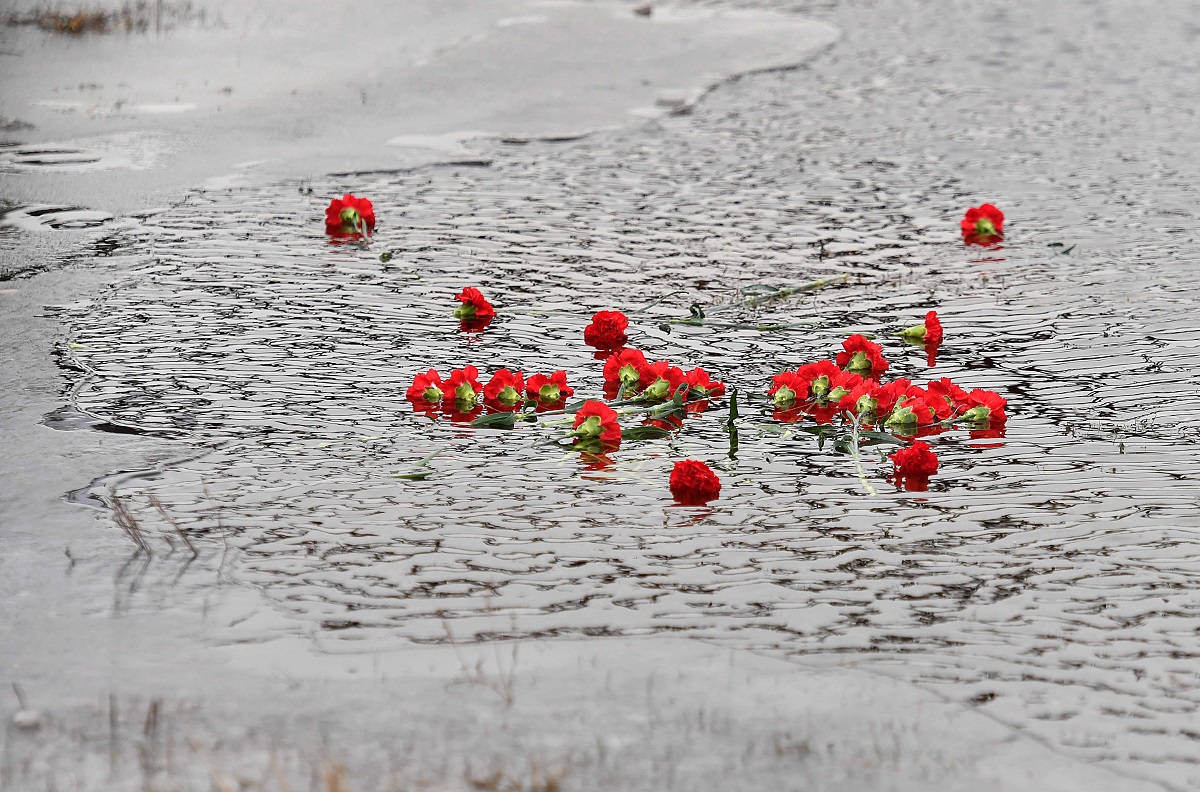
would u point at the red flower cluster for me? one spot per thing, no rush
(458, 396)
(693, 483)
(476, 312)
(824, 391)
(607, 330)
(814, 388)
(983, 225)
(462, 397)
(348, 216)
(628, 375)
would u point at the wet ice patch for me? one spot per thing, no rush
(421, 70)
(39, 217)
(127, 150)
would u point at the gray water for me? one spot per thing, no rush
(1048, 576)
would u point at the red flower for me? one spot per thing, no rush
(623, 372)
(659, 380)
(548, 390)
(461, 390)
(426, 387)
(933, 328)
(915, 408)
(860, 400)
(886, 396)
(914, 465)
(814, 379)
(786, 389)
(929, 331)
(946, 390)
(862, 356)
(505, 391)
(702, 386)
(475, 306)
(348, 215)
(597, 421)
(693, 483)
(607, 330)
(983, 225)
(985, 406)
(984, 221)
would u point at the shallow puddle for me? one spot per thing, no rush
(1048, 576)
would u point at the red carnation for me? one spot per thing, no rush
(886, 396)
(597, 421)
(660, 379)
(985, 220)
(474, 305)
(933, 328)
(912, 466)
(505, 391)
(983, 225)
(461, 390)
(549, 392)
(623, 373)
(985, 406)
(862, 356)
(914, 409)
(607, 330)
(816, 379)
(426, 387)
(787, 389)
(702, 386)
(860, 400)
(693, 483)
(929, 331)
(946, 390)
(349, 216)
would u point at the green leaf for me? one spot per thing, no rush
(497, 420)
(635, 433)
(666, 409)
(386, 256)
(696, 311)
(418, 476)
(880, 437)
(733, 408)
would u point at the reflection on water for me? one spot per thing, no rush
(1048, 576)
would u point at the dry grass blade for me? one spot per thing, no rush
(157, 504)
(128, 523)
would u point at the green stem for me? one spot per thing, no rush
(738, 325)
(787, 291)
(855, 424)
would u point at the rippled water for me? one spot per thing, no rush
(1050, 576)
